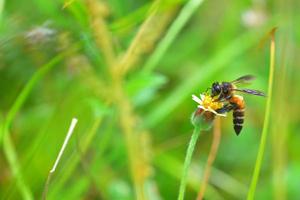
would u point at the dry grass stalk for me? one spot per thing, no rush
(65, 143)
(211, 157)
(143, 42)
(149, 32)
(98, 11)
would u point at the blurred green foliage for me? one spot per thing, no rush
(87, 58)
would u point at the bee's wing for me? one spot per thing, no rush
(244, 79)
(249, 91)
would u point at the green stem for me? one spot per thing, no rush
(263, 139)
(8, 146)
(187, 161)
(10, 153)
(26, 91)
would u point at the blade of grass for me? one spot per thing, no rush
(172, 33)
(26, 91)
(127, 22)
(264, 134)
(68, 136)
(10, 153)
(279, 130)
(5, 139)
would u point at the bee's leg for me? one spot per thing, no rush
(220, 98)
(226, 108)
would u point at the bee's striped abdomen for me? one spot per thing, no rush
(238, 113)
(238, 119)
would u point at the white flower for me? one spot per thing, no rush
(207, 103)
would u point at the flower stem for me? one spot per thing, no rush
(187, 161)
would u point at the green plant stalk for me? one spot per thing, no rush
(26, 91)
(172, 33)
(8, 147)
(187, 162)
(263, 139)
(280, 129)
(10, 153)
(173, 166)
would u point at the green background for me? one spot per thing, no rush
(127, 69)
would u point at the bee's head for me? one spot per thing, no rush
(216, 89)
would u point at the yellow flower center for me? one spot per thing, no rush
(208, 101)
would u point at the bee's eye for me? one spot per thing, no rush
(216, 89)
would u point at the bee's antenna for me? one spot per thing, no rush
(207, 89)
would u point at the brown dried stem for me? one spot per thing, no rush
(211, 157)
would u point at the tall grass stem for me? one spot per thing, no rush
(263, 139)
(172, 33)
(5, 138)
(26, 91)
(11, 155)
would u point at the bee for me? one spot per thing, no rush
(225, 92)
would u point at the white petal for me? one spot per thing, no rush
(195, 98)
(202, 96)
(213, 111)
(199, 106)
(222, 115)
(205, 109)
